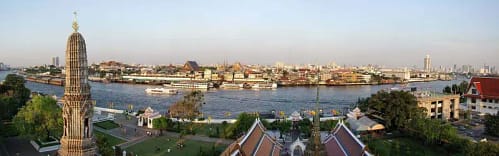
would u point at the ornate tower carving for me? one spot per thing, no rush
(77, 112)
(315, 146)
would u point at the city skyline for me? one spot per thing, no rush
(394, 34)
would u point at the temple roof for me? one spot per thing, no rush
(191, 66)
(342, 142)
(487, 87)
(255, 142)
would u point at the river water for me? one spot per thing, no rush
(219, 101)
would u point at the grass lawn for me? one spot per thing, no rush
(406, 146)
(204, 129)
(111, 139)
(107, 125)
(158, 146)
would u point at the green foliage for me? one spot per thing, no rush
(105, 148)
(243, 123)
(39, 119)
(284, 126)
(189, 106)
(492, 125)
(395, 107)
(161, 123)
(457, 88)
(305, 127)
(481, 149)
(328, 125)
(447, 90)
(433, 131)
(13, 95)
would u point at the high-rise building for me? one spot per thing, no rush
(427, 63)
(55, 61)
(77, 109)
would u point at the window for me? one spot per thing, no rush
(473, 107)
(484, 106)
(473, 91)
(433, 110)
(484, 100)
(473, 100)
(490, 100)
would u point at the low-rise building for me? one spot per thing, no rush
(438, 105)
(483, 95)
(147, 117)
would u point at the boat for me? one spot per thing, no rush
(161, 91)
(227, 85)
(264, 86)
(187, 85)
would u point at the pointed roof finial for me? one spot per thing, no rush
(75, 22)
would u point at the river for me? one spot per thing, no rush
(219, 101)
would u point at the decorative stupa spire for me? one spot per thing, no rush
(315, 147)
(75, 22)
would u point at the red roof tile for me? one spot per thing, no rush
(486, 86)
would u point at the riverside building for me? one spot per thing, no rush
(482, 95)
(438, 105)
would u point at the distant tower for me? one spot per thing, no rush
(55, 61)
(77, 111)
(427, 63)
(315, 146)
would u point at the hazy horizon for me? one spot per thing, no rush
(390, 33)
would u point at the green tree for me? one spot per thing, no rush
(447, 90)
(284, 126)
(395, 107)
(305, 127)
(492, 125)
(161, 124)
(243, 123)
(105, 148)
(13, 95)
(189, 106)
(481, 149)
(39, 119)
(328, 125)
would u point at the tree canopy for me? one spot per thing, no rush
(39, 119)
(161, 123)
(395, 107)
(243, 123)
(13, 95)
(188, 107)
(492, 125)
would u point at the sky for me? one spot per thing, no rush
(395, 33)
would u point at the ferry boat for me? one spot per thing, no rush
(264, 86)
(227, 85)
(161, 91)
(186, 85)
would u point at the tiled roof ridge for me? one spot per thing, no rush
(249, 131)
(260, 141)
(353, 136)
(341, 145)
